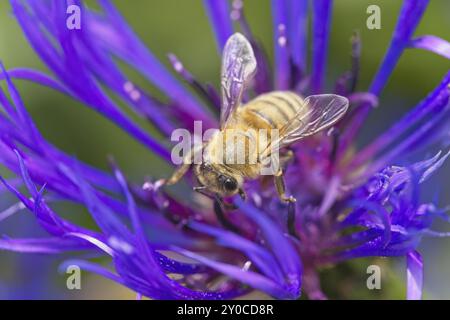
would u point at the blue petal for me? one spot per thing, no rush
(432, 105)
(433, 44)
(280, 245)
(414, 274)
(410, 16)
(322, 10)
(53, 245)
(219, 17)
(298, 32)
(280, 33)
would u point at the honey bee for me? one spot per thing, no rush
(285, 116)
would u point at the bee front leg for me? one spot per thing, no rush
(228, 206)
(181, 171)
(178, 174)
(281, 189)
(220, 215)
(217, 199)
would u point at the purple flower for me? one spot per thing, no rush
(350, 203)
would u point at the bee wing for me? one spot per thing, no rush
(317, 113)
(238, 69)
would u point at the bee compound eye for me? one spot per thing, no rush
(230, 184)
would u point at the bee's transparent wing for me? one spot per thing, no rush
(238, 69)
(318, 113)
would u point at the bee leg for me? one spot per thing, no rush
(228, 206)
(281, 189)
(216, 198)
(181, 171)
(203, 191)
(220, 215)
(178, 174)
(291, 220)
(286, 158)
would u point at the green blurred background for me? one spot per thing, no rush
(181, 27)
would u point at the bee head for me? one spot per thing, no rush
(217, 180)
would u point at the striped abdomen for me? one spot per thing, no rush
(272, 110)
